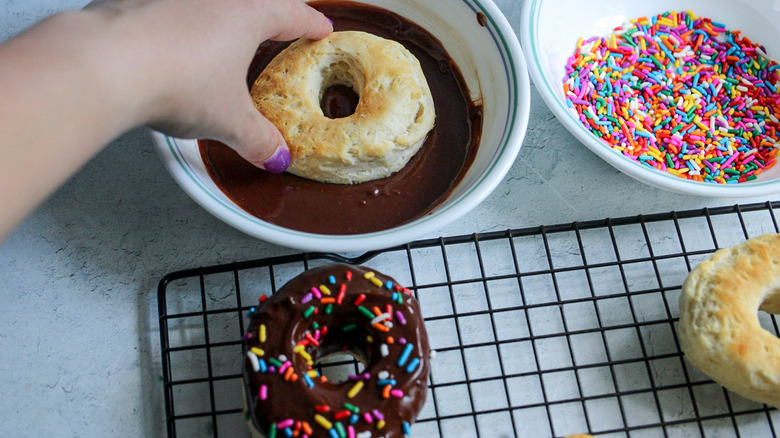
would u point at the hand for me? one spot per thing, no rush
(78, 79)
(198, 53)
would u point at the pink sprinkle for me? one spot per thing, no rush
(316, 292)
(350, 431)
(368, 418)
(285, 424)
(284, 367)
(263, 392)
(397, 393)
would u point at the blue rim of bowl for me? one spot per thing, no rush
(514, 69)
(534, 8)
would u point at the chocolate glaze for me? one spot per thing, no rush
(481, 19)
(286, 326)
(427, 179)
(339, 101)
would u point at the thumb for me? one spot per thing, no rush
(258, 141)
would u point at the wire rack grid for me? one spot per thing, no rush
(543, 331)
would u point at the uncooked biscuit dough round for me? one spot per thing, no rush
(719, 327)
(393, 116)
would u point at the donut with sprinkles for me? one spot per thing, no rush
(326, 310)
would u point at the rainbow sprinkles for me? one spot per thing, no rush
(681, 94)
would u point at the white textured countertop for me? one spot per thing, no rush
(79, 332)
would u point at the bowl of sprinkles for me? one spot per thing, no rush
(680, 95)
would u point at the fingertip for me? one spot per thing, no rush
(326, 28)
(279, 161)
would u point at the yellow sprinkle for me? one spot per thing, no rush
(368, 275)
(322, 421)
(305, 355)
(673, 171)
(312, 373)
(298, 348)
(377, 282)
(656, 155)
(258, 352)
(355, 389)
(324, 289)
(380, 424)
(262, 333)
(369, 339)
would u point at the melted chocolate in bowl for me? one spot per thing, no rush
(426, 181)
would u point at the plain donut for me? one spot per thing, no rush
(394, 114)
(719, 327)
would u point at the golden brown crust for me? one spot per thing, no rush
(394, 114)
(719, 327)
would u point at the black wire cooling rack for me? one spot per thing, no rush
(543, 331)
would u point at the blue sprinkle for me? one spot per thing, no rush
(307, 379)
(333, 433)
(642, 134)
(288, 432)
(354, 418)
(263, 366)
(405, 354)
(331, 279)
(407, 428)
(412, 365)
(389, 285)
(384, 382)
(250, 312)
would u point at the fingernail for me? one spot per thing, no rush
(279, 161)
(329, 21)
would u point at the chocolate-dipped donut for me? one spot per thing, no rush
(334, 308)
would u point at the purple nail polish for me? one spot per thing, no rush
(329, 21)
(279, 162)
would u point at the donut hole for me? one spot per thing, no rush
(338, 366)
(339, 101)
(342, 80)
(339, 357)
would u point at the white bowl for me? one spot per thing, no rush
(551, 28)
(494, 69)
